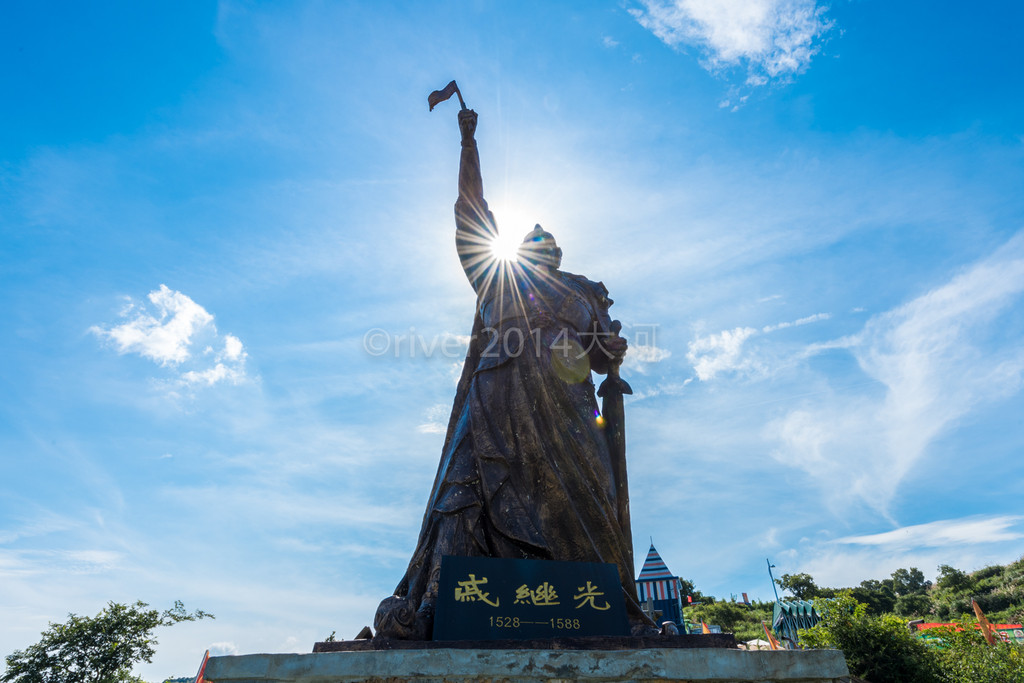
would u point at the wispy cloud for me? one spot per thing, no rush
(769, 539)
(943, 533)
(722, 352)
(773, 39)
(436, 420)
(937, 358)
(968, 543)
(661, 389)
(648, 354)
(839, 566)
(796, 323)
(225, 648)
(37, 521)
(431, 428)
(171, 334)
(28, 563)
(719, 352)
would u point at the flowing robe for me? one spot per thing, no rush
(525, 471)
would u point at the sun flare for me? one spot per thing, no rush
(504, 247)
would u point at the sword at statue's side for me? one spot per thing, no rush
(611, 391)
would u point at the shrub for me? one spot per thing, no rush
(879, 649)
(966, 657)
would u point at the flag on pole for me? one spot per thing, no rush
(986, 628)
(704, 627)
(202, 668)
(771, 639)
(438, 96)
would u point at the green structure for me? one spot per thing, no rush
(790, 617)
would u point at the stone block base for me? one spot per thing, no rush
(716, 665)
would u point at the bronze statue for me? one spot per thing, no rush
(530, 469)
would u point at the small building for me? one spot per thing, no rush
(658, 589)
(1008, 633)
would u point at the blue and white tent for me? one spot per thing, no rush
(658, 585)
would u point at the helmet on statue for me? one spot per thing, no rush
(540, 249)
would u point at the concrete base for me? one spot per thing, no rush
(532, 666)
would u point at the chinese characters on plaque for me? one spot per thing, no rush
(483, 598)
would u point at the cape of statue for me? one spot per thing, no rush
(526, 471)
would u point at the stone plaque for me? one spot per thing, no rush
(482, 598)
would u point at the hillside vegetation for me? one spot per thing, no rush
(998, 589)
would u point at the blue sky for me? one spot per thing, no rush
(810, 218)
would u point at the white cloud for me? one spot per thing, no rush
(717, 353)
(769, 539)
(222, 649)
(232, 347)
(211, 376)
(165, 337)
(772, 38)
(436, 423)
(967, 543)
(942, 533)
(838, 566)
(431, 428)
(723, 352)
(35, 522)
(28, 563)
(648, 354)
(796, 323)
(928, 356)
(662, 389)
(169, 335)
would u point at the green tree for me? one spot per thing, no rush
(877, 595)
(951, 578)
(802, 586)
(907, 581)
(100, 649)
(885, 585)
(686, 588)
(913, 605)
(879, 649)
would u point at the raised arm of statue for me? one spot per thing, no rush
(474, 223)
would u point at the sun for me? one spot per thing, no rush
(504, 247)
(513, 223)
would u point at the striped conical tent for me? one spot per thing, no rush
(655, 580)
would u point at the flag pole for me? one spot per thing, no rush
(983, 623)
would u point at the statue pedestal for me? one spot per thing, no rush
(456, 665)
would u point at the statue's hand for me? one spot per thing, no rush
(615, 346)
(467, 123)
